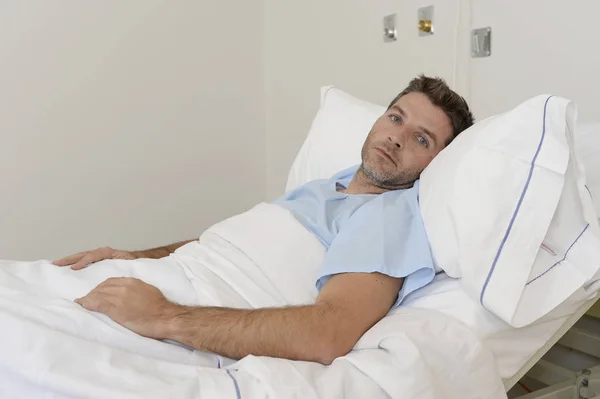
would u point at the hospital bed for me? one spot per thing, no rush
(556, 327)
(587, 341)
(564, 325)
(516, 350)
(563, 382)
(440, 343)
(585, 386)
(553, 328)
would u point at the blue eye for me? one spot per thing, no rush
(395, 118)
(423, 141)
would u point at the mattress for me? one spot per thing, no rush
(515, 350)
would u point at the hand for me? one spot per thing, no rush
(83, 259)
(138, 306)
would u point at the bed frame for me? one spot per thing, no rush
(548, 373)
(585, 386)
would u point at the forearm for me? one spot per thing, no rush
(347, 306)
(160, 252)
(297, 333)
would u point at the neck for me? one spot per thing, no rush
(362, 184)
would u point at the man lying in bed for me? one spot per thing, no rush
(358, 215)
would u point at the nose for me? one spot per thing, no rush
(397, 138)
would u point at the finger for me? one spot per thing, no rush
(91, 257)
(111, 286)
(114, 282)
(96, 302)
(110, 289)
(69, 260)
(120, 281)
(85, 261)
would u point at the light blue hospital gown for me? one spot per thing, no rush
(365, 233)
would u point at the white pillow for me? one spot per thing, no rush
(587, 143)
(506, 210)
(335, 139)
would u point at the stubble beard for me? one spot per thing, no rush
(388, 181)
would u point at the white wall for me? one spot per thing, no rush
(126, 123)
(538, 47)
(138, 123)
(313, 43)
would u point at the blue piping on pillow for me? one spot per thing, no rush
(515, 213)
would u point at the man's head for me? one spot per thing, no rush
(420, 122)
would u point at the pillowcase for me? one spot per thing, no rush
(587, 144)
(506, 210)
(335, 139)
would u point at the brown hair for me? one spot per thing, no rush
(442, 96)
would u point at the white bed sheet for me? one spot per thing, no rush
(512, 347)
(51, 347)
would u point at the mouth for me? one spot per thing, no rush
(386, 155)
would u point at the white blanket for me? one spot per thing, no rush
(51, 347)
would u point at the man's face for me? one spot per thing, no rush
(403, 141)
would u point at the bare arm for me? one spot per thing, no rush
(83, 259)
(348, 305)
